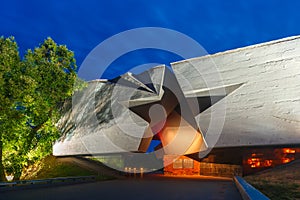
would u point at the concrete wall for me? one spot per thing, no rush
(93, 127)
(263, 110)
(222, 170)
(266, 108)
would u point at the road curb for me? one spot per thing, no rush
(23, 184)
(247, 191)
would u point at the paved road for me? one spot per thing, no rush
(147, 188)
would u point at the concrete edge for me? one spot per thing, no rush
(25, 184)
(261, 44)
(247, 191)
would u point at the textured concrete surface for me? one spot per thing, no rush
(256, 94)
(100, 121)
(265, 109)
(92, 127)
(148, 188)
(124, 114)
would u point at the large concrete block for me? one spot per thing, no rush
(243, 97)
(265, 110)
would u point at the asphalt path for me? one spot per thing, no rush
(153, 188)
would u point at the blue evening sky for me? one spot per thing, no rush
(217, 25)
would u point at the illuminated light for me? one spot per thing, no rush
(9, 177)
(288, 150)
(268, 163)
(286, 160)
(142, 171)
(134, 172)
(254, 162)
(180, 140)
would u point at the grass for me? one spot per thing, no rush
(280, 191)
(51, 167)
(282, 183)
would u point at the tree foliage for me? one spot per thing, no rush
(32, 92)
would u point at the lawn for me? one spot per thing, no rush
(51, 167)
(282, 183)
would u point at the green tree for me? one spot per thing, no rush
(54, 70)
(10, 81)
(44, 80)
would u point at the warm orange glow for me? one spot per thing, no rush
(179, 137)
(254, 162)
(288, 150)
(268, 163)
(260, 159)
(182, 166)
(258, 162)
(286, 160)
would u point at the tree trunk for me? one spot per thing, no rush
(2, 174)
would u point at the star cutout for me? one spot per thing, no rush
(169, 112)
